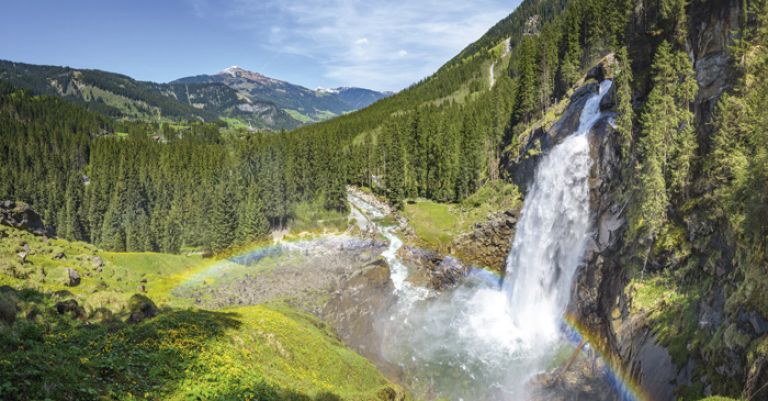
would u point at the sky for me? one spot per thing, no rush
(376, 44)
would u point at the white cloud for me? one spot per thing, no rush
(371, 43)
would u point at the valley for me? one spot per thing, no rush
(574, 207)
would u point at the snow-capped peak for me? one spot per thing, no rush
(231, 70)
(320, 89)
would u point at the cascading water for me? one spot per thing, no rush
(483, 340)
(552, 233)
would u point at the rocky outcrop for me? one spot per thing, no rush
(355, 309)
(714, 26)
(523, 167)
(20, 215)
(583, 381)
(431, 269)
(489, 243)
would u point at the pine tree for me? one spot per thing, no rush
(223, 218)
(252, 221)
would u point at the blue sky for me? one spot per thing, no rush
(383, 45)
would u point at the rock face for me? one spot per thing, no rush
(713, 29)
(489, 243)
(583, 381)
(522, 168)
(20, 215)
(356, 307)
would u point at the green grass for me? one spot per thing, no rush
(313, 217)
(298, 116)
(671, 313)
(258, 352)
(436, 224)
(163, 272)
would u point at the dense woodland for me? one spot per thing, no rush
(165, 187)
(157, 187)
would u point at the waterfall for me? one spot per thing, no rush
(482, 340)
(552, 233)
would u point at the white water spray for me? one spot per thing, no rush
(552, 233)
(483, 341)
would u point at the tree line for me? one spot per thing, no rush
(157, 187)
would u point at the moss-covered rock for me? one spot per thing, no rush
(140, 307)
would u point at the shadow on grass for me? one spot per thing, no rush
(47, 355)
(265, 392)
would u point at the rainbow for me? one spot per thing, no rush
(622, 381)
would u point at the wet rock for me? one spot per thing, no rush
(70, 307)
(433, 270)
(759, 324)
(649, 362)
(74, 277)
(609, 101)
(490, 242)
(356, 307)
(140, 308)
(583, 381)
(523, 166)
(20, 215)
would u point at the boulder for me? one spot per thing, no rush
(20, 215)
(431, 269)
(70, 307)
(97, 263)
(74, 277)
(140, 308)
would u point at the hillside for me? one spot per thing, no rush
(608, 159)
(118, 332)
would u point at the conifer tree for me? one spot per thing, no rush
(252, 221)
(223, 218)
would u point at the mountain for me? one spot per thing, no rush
(304, 104)
(360, 98)
(250, 98)
(121, 96)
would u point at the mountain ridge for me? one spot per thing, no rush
(198, 98)
(314, 105)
